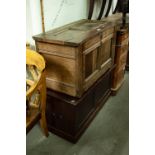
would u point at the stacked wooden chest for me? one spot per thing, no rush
(80, 61)
(77, 55)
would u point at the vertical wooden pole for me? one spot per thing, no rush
(42, 15)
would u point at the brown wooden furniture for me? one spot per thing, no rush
(36, 91)
(77, 54)
(120, 59)
(69, 116)
(121, 49)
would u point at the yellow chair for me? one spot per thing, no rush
(35, 91)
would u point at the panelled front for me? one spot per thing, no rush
(98, 57)
(90, 58)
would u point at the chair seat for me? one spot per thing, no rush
(31, 119)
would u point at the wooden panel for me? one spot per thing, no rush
(85, 107)
(108, 31)
(60, 73)
(58, 114)
(105, 51)
(104, 39)
(60, 69)
(73, 34)
(79, 71)
(88, 64)
(95, 58)
(63, 51)
(87, 26)
(104, 86)
(98, 73)
(91, 42)
(61, 87)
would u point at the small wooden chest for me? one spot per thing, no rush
(77, 54)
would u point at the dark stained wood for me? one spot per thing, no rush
(69, 116)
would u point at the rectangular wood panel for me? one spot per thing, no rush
(88, 64)
(105, 51)
(58, 50)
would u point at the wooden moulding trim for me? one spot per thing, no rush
(93, 74)
(78, 70)
(92, 48)
(105, 63)
(56, 54)
(107, 38)
(61, 83)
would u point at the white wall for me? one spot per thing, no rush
(60, 12)
(56, 13)
(33, 19)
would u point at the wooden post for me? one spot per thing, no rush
(42, 15)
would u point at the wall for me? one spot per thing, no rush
(56, 13)
(33, 19)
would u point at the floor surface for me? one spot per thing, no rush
(108, 133)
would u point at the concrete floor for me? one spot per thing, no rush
(108, 134)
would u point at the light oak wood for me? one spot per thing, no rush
(77, 55)
(62, 51)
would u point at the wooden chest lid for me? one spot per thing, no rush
(74, 33)
(115, 18)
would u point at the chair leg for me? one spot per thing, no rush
(43, 106)
(44, 124)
